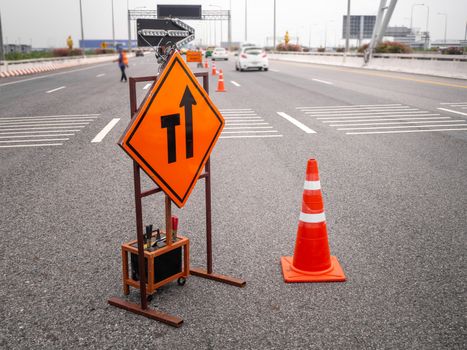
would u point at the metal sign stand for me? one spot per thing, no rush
(208, 273)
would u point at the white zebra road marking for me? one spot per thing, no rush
(296, 123)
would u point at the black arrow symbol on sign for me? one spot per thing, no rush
(188, 101)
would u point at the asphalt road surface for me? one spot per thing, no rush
(392, 153)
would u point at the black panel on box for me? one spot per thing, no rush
(179, 11)
(165, 265)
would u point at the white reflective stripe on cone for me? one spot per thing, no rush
(312, 185)
(312, 218)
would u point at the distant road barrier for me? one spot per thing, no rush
(450, 66)
(33, 66)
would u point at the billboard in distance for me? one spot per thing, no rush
(361, 27)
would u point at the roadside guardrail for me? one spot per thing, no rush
(450, 66)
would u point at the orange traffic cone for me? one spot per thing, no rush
(220, 82)
(214, 72)
(206, 64)
(312, 261)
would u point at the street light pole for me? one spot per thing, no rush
(246, 21)
(229, 24)
(445, 24)
(274, 30)
(129, 24)
(81, 20)
(411, 14)
(2, 52)
(113, 23)
(347, 27)
(427, 37)
(215, 26)
(427, 21)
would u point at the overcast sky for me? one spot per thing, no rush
(47, 23)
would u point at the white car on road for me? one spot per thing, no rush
(220, 53)
(252, 57)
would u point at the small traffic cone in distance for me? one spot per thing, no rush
(214, 72)
(312, 261)
(206, 64)
(220, 82)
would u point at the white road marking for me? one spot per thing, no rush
(324, 107)
(323, 81)
(48, 140)
(42, 124)
(401, 123)
(147, 86)
(247, 136)
(332, 114)
(35, 122)
(42, 120)
(248, 124)
(296, 123)
(401, 127)
(382, 116)
(239, 115)
(356, 110)
(453, 103)
(377, 120)
(55, 116)
(235, 83)
(100, 75)
(100, 136)
(35, 132)
(451, 111)
(23, 136)
(42, 128)
(33, 145)
(400, 131)
(274, 70)
(248, 131)
(248, 127)
(234, 109)
(243, 121)
(242, 118)
(53, 90)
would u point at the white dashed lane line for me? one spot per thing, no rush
(100, 75)
(100, 136)
(235, 83)
(322, 81)
(53, 90)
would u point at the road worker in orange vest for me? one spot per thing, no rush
(122, 62)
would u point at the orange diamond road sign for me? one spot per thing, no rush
(174, 131)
